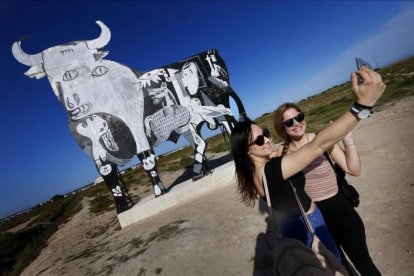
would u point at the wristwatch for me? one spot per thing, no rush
(361, 111)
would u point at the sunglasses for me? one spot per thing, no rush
(260, 139)
(298, 118)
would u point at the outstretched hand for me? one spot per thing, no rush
(368, 92)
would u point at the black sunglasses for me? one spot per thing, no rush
(298, 118)
(260, 139)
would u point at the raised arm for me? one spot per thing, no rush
(347, 158)
(365, 94)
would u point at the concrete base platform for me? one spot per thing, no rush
(186, 191)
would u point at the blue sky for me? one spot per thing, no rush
(274, 51)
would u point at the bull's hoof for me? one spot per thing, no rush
(198, 177)
(162, 192)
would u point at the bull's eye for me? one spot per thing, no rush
(99, 71)
(70, 75)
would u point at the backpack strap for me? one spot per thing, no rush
(302, 211)
(328, 157)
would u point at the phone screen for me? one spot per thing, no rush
(361, 62)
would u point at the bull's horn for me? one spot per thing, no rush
(22, 57)
(103, 38)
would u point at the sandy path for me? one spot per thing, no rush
(217, 235)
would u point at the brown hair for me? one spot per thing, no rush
(278, 123)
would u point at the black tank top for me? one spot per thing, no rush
(280, 192)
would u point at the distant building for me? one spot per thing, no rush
(99, 179)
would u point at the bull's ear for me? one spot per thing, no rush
(100, 55)
(35, 72)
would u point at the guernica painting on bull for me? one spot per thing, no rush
(115, 112)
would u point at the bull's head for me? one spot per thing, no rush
(38, 61)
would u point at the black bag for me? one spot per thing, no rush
(345, 188)
(293, 257)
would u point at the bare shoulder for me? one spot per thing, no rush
(311, 136)
(258, 184)
(277, 150)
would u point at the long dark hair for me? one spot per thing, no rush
(278, 123)
(245, 168)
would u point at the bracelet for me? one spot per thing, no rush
(349, 145)
(362, 106)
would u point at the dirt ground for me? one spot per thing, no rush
(217, 235)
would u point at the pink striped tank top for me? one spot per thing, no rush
(320, 179)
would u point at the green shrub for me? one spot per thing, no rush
(173, 167)
(21, 248)
(407, 82)
(186, 162)
(222, 147)
(101, 203)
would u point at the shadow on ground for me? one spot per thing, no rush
(263, 257)
(212, 164)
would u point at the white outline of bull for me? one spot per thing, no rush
(132, 115)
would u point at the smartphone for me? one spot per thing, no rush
(359, 63)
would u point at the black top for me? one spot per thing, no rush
(280, 192)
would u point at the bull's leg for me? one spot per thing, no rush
(206, 168)
(147, 158)
(117, 187)
(199, 146)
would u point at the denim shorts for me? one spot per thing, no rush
(296, 228)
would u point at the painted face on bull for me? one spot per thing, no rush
(190, 77)
(96, 128)
(72, 70)
(87, 84)
(104, 138)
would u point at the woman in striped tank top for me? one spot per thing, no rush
(343, 221)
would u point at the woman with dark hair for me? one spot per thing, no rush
(250, 157)
(343, 221)
(253, 154)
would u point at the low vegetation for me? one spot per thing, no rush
(138, 246)
(19, 249)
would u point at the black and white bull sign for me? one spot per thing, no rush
(116, 113)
